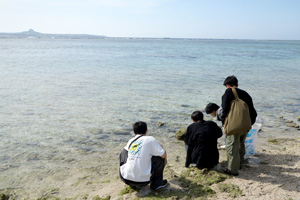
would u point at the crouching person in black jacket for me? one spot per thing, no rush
(201, 140)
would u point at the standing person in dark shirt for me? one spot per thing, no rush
(235, 144)
(201, 140)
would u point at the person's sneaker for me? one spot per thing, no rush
(163, 185)
(217, 167)
(227, 171)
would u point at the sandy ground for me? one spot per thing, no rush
(272, 173)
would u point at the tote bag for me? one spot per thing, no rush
(238, 119)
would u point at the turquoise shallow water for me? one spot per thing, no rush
(64, 102)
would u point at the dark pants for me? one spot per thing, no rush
(157, 168)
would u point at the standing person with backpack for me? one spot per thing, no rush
(236, 115)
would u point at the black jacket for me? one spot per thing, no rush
(201, 139)
(228, 96)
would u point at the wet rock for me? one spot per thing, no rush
(121, 133)
(159, 124)
(185, 106)
(274, 141)
(180, 134)
(293, 125)
(289, 121)
(103, 137)
(69, 141)
(281, 117)
(99, 198)
(4, 197)
(32, 157)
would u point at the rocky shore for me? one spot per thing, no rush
(273, 172)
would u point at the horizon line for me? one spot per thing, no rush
(146, 37)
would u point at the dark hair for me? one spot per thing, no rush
(139, 127)
(211, 107)
(197, 116)
(231, 80)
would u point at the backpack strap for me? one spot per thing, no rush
(134, 141)
(235, 93)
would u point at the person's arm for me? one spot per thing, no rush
(188, 156)
(219, 114)
(218, 130)
(215, 130)
(248, 99)
(165, 154)
(157, 149)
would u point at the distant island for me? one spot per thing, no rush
(33, 34)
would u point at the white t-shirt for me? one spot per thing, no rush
(138, 165)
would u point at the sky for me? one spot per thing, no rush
(210, 19)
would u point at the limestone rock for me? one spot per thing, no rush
(294, 125)
(159, 124)
(180, 134)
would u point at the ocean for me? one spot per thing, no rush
(69, 104)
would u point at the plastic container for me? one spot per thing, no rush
(251, 139)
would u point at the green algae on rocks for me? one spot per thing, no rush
(4, 196)
(274, 141)
(193, 184)
(280, 140)
(127, 190)
(169, 173)
(203, 176)
(233, 190)
(293, 125)
(180, 134)
(99, 198)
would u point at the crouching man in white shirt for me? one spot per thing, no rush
(145, 162)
